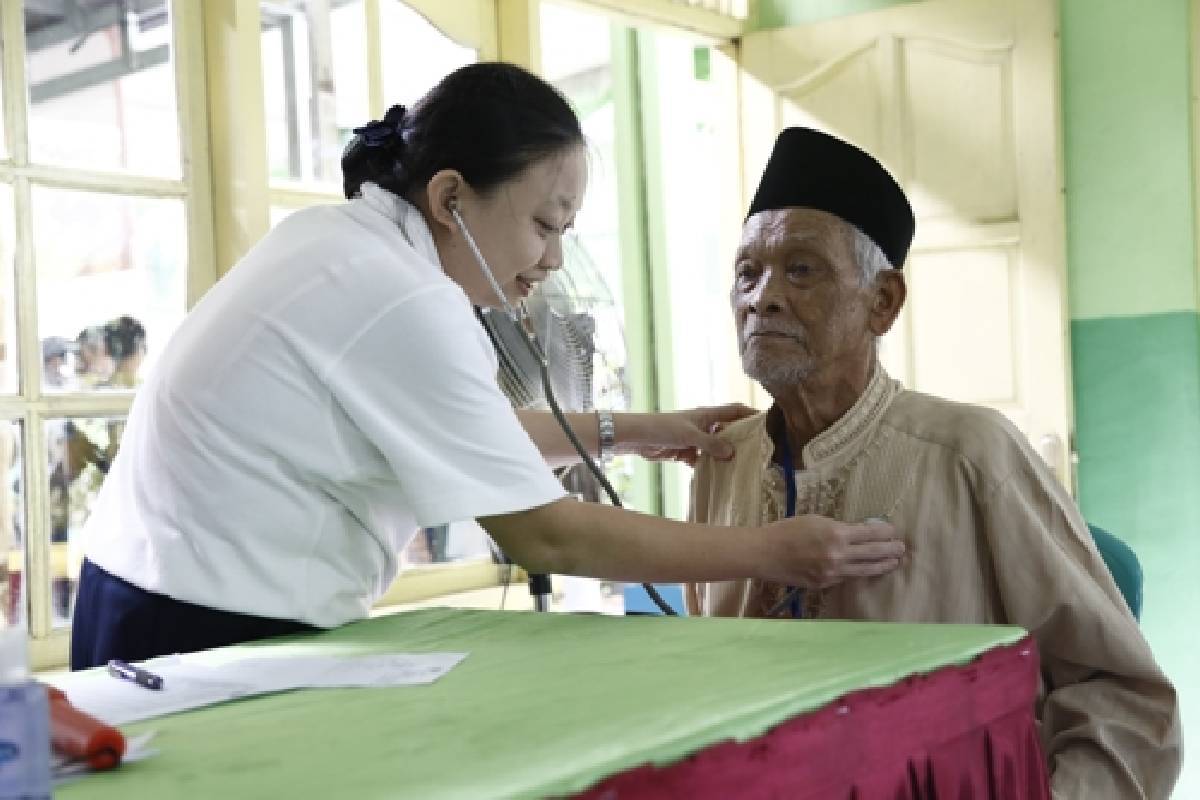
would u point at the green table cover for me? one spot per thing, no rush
(544, 704)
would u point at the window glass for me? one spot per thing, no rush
(8, 317)
(577, 59)
(3, 127)
(447, 544)
(110, 294)
(101, 85)
(314, 86)
(78, 454)
(416, 55)
(12, 527)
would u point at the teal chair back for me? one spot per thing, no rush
(1122, 562)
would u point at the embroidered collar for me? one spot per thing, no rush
(837, 443)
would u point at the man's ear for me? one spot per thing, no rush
(887, 298)
(442, 192)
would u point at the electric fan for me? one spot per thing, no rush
(574, 318)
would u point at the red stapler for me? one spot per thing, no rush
(81, 737)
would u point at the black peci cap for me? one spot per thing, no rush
(810, 169)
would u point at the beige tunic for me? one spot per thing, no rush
(992, 538)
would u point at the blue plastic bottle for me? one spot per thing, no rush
(24, 723)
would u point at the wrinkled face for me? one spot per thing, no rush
(799, 305)
(519, 226)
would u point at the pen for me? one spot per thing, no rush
(128, 672)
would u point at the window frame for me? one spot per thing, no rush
(30, 405)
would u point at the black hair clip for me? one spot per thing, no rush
(378, 133)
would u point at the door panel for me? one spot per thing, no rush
(978, 338)
(820, 99)
(959, 131)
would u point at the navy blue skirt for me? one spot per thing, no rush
(115, 619)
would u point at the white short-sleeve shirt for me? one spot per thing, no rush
(330, 395)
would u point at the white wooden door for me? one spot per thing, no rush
(958, 98)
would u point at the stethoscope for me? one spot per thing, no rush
(535, 349)
(452, 207)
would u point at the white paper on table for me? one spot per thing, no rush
(330, 672)
(189, 682)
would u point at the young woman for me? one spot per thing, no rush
(334, 393)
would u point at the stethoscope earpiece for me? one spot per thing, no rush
(452, 207)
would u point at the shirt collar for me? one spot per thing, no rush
(844, 438)
(406, 216)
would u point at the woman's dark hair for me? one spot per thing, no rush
(489, 121)
(124, 337)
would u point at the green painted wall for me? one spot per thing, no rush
(1137, 402)
(1126, 114)
(1135, 333)
(1138, 397)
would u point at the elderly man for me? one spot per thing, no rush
(992, 537)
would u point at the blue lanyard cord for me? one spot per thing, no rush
(795, 595)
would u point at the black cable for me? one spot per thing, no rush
(778, 608)
(543, 367)
(593, 467)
